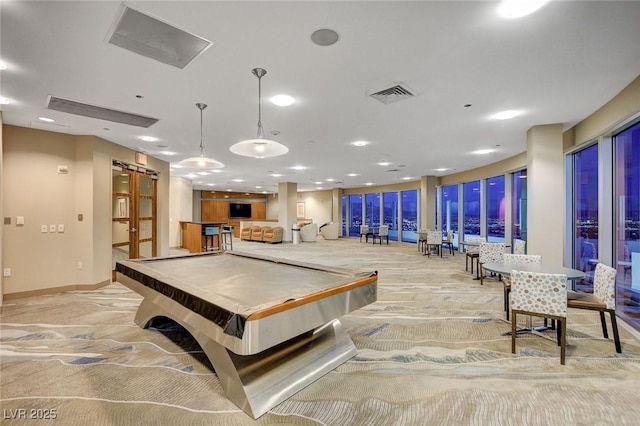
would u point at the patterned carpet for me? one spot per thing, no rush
(430, 352)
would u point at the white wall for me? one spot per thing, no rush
(181, 207)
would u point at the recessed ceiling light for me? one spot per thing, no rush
(384, 163)
(352, 174)
(167, 153)
(3, 66)
(442, 169)
(276, 175)
(519, 8)
(148, 138)
(191, 176)
(203, 173)
(282, 100)
(407, 178)
(483, 151)
(238, 180)
(505, 115)
(318, 182)
(215, 171)
(325, 37)
(264, 192)
(299, 168)
(330, 179)
(4, 101)
(46, 119)
(258, 187)
(360, 143)
(369, 183)
(211, 184)
(176, 166)
(319, 187)
(229, 190)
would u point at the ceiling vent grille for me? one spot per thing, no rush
(155, 39)
(86, 110)
(395, 93)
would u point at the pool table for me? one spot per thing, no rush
(269, 326)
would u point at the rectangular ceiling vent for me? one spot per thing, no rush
(155, 39)
(86, 110)
(395, 93)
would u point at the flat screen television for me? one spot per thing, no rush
(239, 211)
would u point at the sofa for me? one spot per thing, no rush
(273, 235)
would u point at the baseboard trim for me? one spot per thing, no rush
(54, 290)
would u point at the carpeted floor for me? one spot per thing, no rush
(430, 352)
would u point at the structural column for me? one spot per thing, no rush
(287, 202)
(545, 188)
(428, 202)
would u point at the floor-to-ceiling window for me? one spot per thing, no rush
(519, 205)
(355, 214)
(585, 212)
(471, 208)
(344, 215)
(627, 224)
(390, 213)
(449, 203)
(372, 210)
(409, 215)
(495, 208)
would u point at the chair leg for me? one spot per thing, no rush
(604, 325)
(563, 339)
(513, 332)
(481, 273)
(616, 336)
(466, 263)
(506, 301)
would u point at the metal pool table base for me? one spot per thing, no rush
(258, 382)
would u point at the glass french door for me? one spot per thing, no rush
(133, 233)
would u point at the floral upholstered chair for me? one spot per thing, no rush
(506, 281)
(489, 252)
(602, 300)
(434, 241)
(519, 246)
(474, 252)
(541, 295)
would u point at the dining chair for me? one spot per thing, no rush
(364, 231)
(383, 232)
(519, 246)
(434, 240)
(542, 295)
(449, 242)
(506, 280)
(473, 252)
(489, 252)
(602, 300)
(422, 239)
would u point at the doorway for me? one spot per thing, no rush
(134, 210)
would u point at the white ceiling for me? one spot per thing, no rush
(556, 66)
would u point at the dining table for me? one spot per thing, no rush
(505, 268)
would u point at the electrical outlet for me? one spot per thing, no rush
(6, 272)
(52, 228)
(44, 229)
(60, 228)
(79, 265)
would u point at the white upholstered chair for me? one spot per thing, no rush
(541, 295)
(330, 231)
(364, 232)
(602, 300)
(383, 233)
(519, 246)
(449, 242)
(309, 232)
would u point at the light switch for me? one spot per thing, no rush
(19, 220)
(60, 228)
(44, 229)
(52, 228)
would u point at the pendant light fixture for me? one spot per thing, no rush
(201, 161)
(260, 147)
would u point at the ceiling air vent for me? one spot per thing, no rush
(395, 93)
(155, 39)
(86, 110)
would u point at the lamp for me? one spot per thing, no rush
(201, 161)
(259, 147)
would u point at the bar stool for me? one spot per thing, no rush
(227, 232)
(211, 232)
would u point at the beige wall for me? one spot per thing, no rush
(1, 212)
(33, 188)
(181, 208)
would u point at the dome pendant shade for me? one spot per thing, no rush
(201, 161)
(259, 147)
